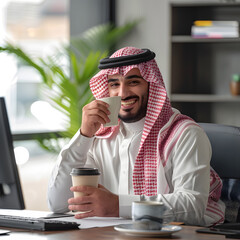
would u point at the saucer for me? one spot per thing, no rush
(166, 230)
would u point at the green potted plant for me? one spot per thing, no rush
(67, 87)
(235, 84)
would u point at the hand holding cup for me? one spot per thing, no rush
(102, 111)
(84, 177)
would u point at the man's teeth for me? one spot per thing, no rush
(128, 103)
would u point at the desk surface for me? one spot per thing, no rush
(187, 232)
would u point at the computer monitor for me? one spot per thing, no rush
(11, 196)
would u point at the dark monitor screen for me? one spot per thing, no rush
(11, 196)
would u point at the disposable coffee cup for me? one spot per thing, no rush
(114, 107)
(148, 215)
(84, 177)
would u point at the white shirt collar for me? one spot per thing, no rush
(134, 127)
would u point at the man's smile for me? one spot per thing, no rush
(127, 104)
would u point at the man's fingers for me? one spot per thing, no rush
(85, 215)
(98, 116)
(79, 200)
(98, 201)
(99, 105)
(93, 115)
(102, 106)
(81, 207)
(97, 111)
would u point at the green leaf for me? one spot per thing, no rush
(66, 86)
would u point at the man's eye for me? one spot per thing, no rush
(113, 85)
(134, 82)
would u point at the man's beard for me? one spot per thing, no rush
(141, 113)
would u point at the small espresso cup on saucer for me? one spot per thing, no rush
(84, 177)
(147, 215)
(114, 107)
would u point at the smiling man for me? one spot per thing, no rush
(154, 151)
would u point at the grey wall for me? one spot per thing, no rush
(85, 14)
(153, 30)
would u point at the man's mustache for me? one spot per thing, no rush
(130, 97)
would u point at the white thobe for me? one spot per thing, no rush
(187, 171)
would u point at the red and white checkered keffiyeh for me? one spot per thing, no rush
(159, 111)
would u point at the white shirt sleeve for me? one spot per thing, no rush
(188, 176)
(75, 154)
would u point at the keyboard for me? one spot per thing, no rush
(36, 224)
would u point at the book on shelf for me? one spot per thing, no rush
(215, 29)
(210, 23)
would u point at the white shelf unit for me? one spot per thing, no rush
(201, 69)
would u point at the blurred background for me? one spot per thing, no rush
(42, 27)
(38, 26)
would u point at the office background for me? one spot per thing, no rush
(40, 26)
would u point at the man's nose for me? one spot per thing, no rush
(123, 91)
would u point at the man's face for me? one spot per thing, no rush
(133, 90)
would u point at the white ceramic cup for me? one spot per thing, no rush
(114, 107)
(84, 177)
(148, 215)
